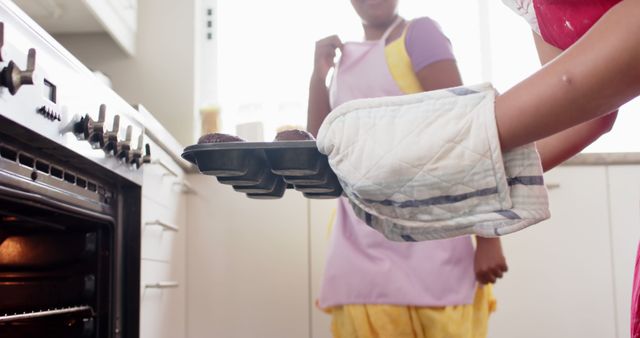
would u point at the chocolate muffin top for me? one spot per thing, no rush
(218, 138)
(294, 135)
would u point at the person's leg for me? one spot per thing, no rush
(463, 321)
(483, 306)
(446, 322)
(372, 321)
(369, 321)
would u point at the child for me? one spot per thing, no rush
(374, 287)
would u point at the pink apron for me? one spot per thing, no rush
(362, 266)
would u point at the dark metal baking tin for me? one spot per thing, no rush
(264, 170)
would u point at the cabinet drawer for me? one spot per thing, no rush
(163, 231)
(162, 301)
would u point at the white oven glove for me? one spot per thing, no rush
(429, 166)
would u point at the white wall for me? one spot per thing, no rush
(162, 75)
(248, 264)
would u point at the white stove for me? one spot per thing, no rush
(71, 154)
(47, 90)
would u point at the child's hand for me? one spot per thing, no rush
(490, 263)
(324, 55)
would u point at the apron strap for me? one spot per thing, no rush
(391, 28)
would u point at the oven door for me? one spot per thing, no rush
(55, 268)
(69, 244)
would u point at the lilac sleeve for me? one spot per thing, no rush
(426, 43)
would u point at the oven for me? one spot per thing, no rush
(71, 154)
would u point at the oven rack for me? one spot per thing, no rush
(45, 313)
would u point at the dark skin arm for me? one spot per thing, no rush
(597, 75)
(318, 107)
(489, 261)
(559, 147)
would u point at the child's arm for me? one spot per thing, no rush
(319, 106)
(489, 261)
(438, 75)
(559, 147)
(595, 76)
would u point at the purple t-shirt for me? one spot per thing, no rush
(426, 44)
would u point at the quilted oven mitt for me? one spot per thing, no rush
(429, 166)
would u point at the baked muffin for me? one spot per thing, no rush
(218, 138)
(294, 135)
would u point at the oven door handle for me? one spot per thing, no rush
(185, 187)
(164, 225)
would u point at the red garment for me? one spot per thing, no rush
(635, 301)
(563, 22)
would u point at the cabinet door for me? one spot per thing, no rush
(624, 192)
(163, 231)
(247, 264)
(162, 300)
(560, 279)
(321, 213)
(163, 250)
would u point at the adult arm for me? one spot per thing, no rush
(595, 76)
(561, 146)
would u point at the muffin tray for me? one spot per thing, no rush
(265, 170)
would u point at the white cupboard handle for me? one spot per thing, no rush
(185, 187)
(165, 226)
(551, 186)
(162, 285)
(165, 167)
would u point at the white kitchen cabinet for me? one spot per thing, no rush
(248, 264)
(163, 248)
(560, 280)
(162, 304)
(624, 203)
(321, 213)
(118, 18)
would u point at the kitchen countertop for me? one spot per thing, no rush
(584, 159)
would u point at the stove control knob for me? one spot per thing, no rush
(147, 154)
(111, 137)
(124, 146)
(135, 155)
(13, 77)
(90, 130)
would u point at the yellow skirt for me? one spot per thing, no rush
(390, 321)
